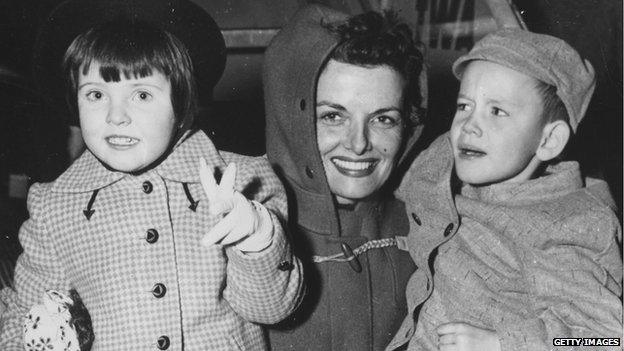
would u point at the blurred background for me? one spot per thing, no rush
(34, 135)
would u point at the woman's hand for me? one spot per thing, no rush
(465, 337)
(246, 224)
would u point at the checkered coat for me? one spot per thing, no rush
(130, 245)
(533, 260)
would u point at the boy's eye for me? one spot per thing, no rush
(94, 95)
(498, 112)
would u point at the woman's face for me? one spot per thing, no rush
(359, 127)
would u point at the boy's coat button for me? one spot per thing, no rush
(163, 342)
(449, 229)
(147, 187)
(285, 266)
(159, 290)
(152, 236)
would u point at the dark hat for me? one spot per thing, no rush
(190, 23)
(543, 57)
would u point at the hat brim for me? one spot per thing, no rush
(190, 23)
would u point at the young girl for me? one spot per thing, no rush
(123, 225)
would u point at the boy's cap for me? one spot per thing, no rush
(190, 23)
(543, 57)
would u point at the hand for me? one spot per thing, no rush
(246, 224)
(465, 337)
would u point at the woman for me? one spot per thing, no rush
(342, 103)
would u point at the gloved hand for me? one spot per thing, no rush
(47, 325)
(246, 224)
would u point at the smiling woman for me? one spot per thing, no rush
(342, 97)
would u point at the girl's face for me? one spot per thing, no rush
(359, 127)
(127, 124)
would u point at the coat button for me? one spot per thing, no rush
(285, 266)
(309, 172)
(159, 290)
(152, 236)
(147, 187)
(163, 342)
(449, 229)
(352, 259)
(416, 219)
(302, 104)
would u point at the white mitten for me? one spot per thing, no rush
(246, 224)
(46, 327)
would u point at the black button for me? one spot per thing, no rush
(302, 104)
(163, 342)
(152, 236)
(416, 219)
(449, 229)
(147, 187)
(352, 259)
(159, 290)
(285, 266)
(309, 172)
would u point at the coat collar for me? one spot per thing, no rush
(88, 173)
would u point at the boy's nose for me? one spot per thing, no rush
(471, 125)
(357, 138)
(118, 115)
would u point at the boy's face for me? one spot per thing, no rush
(497, 126)
(358, 127)
(127, 124)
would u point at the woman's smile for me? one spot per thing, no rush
(355, 168)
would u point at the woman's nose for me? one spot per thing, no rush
(117, 114)
(357, 138)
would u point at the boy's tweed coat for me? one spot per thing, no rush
(130, 245)
(533, 260)
(343, 309)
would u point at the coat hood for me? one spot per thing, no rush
(292, 64)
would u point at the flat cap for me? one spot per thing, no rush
(543, 57)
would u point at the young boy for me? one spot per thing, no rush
(534, 253)
(161, 255)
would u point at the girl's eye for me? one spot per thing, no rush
(330, 118)
(498, 112)
(144, 96)
(94, 95)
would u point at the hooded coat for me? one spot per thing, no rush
(354, 305)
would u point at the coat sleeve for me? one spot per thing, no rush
(37, 270)
(576, 278)
(264, 287)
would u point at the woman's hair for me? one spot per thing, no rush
(376, 39)
(134, 49)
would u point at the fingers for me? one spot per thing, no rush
(238, 224)
(220, 197)
(449, 328)
(208, 182)
(219, 230)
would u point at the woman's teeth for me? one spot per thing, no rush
(354, 166)
(469, 152)
(122, 141)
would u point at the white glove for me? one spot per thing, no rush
(47, 327)
(246, 224)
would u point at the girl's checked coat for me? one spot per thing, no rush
(130, 245)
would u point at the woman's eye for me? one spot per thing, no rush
(462, 106)
(330, 118)
(498, 112)
(94, 95)
(386, 120)
(143, 96)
